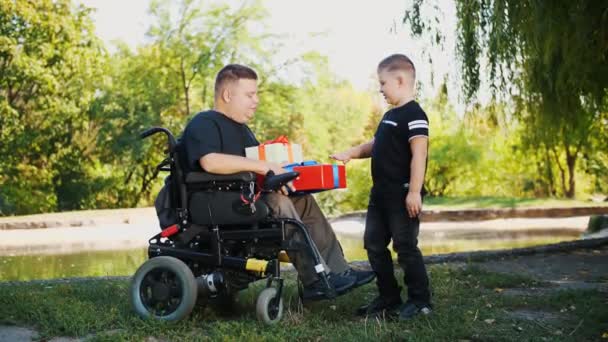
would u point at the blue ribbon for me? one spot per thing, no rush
(289, 167)
(336, 176)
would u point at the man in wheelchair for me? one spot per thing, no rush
(214, 141)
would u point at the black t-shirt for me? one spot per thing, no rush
(391, 153)
(213, 132)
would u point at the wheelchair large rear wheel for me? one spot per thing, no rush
(269, 307)
(163, 288)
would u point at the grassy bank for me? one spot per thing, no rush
(470, 304)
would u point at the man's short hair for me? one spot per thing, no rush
(232, 73)
(397, 62)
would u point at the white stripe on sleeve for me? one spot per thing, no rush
(419, 126)
(415, 122)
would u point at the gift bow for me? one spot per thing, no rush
(280, 140)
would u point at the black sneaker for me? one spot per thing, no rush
(363, 277)
(342, 282)
(318, 290)
(410, 310)
(381, 306)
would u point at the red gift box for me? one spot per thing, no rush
(320, 177)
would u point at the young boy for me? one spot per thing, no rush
(399, 152)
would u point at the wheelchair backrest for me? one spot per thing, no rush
(204, 198)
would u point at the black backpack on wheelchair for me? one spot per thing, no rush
(216, 239)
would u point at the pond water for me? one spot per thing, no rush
(125, 262)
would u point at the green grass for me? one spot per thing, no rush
(446, 203)
(467, 307)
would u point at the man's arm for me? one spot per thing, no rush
(357, 152)
(413, 201)
(224, 164)
(220, 163)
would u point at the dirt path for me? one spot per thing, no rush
(578, 269)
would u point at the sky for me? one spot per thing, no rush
(356, 34)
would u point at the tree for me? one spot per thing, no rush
(197, 41)
(163, 83)
(550, 57)
(50, 64)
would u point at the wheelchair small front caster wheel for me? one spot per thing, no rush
(163, 288)
(269, 307)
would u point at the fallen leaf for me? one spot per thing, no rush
(498, 289)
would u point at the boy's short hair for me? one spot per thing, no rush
(397, 62)
(232, 73)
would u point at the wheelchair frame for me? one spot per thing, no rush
(205, 252)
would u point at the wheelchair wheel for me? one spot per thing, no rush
(163, 288)
(269, 308)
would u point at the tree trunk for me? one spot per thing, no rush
(562, 172)
(185, 86)
(549, 170)
(571, 163)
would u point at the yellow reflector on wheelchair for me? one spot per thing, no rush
(283, 257)
(256, 265)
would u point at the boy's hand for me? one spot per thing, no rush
(413, 204)
(342, 156)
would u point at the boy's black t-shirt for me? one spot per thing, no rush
(213, 132)
(391, 153)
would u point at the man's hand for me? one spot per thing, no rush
(413, 204)
(344, 157)
(278, 169)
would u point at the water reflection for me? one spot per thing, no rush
(87, 264)
(125, 262)
(353, 246)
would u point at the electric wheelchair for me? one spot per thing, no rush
(223, 239)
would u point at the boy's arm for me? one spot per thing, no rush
(413, 201)
(357, 152)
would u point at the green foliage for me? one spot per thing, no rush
(550, 59)
(335, 117)
(50, 64)
(70, 113)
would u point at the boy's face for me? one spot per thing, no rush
(391, 84)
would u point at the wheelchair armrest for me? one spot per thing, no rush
(204, 177)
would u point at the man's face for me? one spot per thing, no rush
(390, 84)
(243, 99)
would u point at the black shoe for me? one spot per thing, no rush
(319, 291)
(410, 310)
(363, 277)
(342, 283)
(380, 306)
